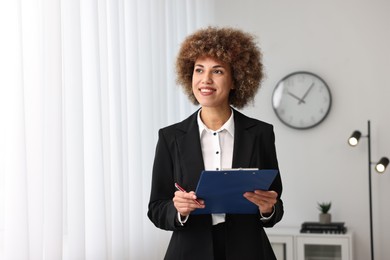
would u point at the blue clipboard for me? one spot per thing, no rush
(223, 190)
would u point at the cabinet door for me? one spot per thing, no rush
(323, 247)
(283, 246)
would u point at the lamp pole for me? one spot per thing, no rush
(369, 187)
(380, 167)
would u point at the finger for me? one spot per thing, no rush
(184, 196)
(267, 197)
(270, 194)
(260, 200)
(184, 202)
(251, 197)
(266, 201)
(186, 207)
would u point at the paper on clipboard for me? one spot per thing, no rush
(223, 190)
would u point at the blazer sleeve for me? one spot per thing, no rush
(161, 210)
(271, 162)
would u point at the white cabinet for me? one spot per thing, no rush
(289, 244)
(283, 246)
(324, 246)
(283, 242)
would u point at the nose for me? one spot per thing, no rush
(207, 79)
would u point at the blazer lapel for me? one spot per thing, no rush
(188, 143)
(243, 141)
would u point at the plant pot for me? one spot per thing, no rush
(325, 218)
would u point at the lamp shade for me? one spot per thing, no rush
(382, 164)
(353, 140)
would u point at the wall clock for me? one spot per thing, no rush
(301, 100)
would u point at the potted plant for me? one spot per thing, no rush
(325, 217)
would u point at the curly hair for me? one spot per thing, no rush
(229, 45)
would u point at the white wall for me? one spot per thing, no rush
(347, 44)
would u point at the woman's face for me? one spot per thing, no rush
(211, 82)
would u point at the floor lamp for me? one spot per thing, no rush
(380, 167)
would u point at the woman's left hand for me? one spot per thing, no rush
(265, 200)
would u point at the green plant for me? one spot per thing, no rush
(324, 207)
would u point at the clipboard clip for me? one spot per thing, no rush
(240, 169)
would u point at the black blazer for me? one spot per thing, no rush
(179, 159)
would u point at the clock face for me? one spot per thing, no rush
(301, 100)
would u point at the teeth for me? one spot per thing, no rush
(205, 90)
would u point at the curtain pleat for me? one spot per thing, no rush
(13, 138)
(133, 131)
(94, 112)
(52, 130)
(74, 182)
(86, 86)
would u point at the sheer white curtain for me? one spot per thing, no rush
(84, 87)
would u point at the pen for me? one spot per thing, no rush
(183, 190)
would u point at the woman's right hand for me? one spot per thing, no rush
(185, 202)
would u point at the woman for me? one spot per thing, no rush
(218, 68)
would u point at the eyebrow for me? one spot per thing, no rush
(216, 66)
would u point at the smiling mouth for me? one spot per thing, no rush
(207, 90)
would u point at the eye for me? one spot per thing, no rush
(218, 72)
(198, 70)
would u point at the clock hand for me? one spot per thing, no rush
(294, 96)
(302, 100)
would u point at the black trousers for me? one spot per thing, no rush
(219, 241)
